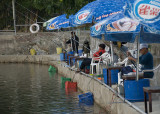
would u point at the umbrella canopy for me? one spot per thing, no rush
(96, 11)
(106, 8)
(126, 27)
(58, 22)
(142, 16)
(84, 15)
(47, 22)
(147, 12)
(116, 28)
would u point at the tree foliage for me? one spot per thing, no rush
(27, 11)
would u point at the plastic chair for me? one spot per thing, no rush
(125, 61)
(96, 61)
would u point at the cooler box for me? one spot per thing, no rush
(114, 76)
(134, 89)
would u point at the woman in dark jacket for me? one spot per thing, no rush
(74, 42)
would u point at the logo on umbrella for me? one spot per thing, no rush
(147, 11)
(53, 25)
(97, 29)
(82, 16)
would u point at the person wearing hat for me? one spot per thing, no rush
(87, 61)
(146, 60)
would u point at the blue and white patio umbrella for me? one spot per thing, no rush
(142, 19)
(96, 11)
(106, 8)
(145, 19)
(59, 22)
(147, 12)
(84, 15)
(116, 28)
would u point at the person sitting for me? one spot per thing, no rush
(87, 61)
(146, 60)
(86, 48)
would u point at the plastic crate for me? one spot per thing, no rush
(69, 91)
(51, 69)
(86, 98)
(63, 80)
(69, 84)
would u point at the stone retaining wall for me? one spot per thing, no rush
(103, 95)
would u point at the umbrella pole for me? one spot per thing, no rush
(111, 52)
(137, 77)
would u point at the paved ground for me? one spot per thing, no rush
(155, 104)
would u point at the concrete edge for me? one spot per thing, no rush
(104, 95)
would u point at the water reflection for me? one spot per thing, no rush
(31, 89)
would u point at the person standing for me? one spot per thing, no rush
(74, 42)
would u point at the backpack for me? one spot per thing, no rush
(126, 70)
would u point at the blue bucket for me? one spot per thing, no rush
(80, 52)
(71, 52)
(86, 98)
(134, 89)
(63, 56)
(114, 76)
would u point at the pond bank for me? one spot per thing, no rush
(105, 96)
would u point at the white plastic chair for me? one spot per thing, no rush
(125, 61)
(96, 61)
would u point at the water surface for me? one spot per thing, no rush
(31, 89)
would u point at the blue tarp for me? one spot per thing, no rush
(59, 22)
(96, 11)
